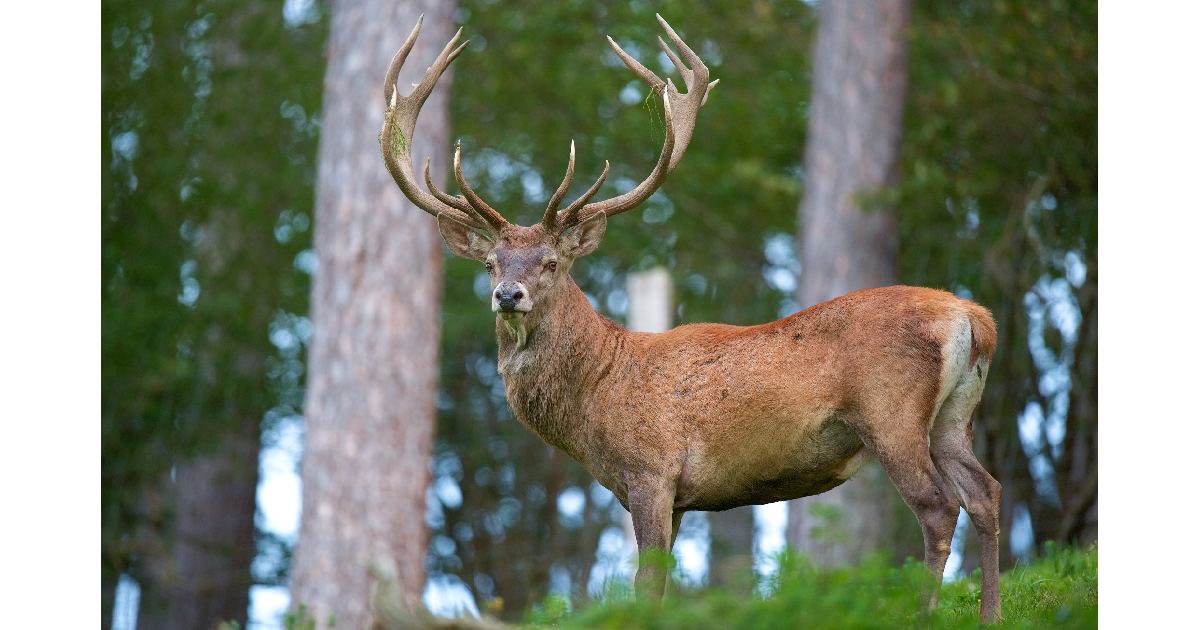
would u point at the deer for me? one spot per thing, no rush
(715, 416)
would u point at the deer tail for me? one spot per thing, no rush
(983, 332)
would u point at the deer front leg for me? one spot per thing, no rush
(651, 505)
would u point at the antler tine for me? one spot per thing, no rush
(399, 124)
(572, 211)
(444, 59)
(389, 81)
(444, 197)
(679, 117)
(551, 214)
(683, 70)
(481, 208)
(651, 79)
(695, 79)
(641, 192)
(687, 51)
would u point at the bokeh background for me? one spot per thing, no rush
(213, 139)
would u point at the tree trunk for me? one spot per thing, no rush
(731, 547)
(376, 302)
(203, 577)
(846, 243)
(108, 595)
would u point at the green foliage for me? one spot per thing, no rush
(1001, 122)
(299, 619)
(829, 522)
(209, 126)
(1059, 590)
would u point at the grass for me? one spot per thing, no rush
(1059, 589)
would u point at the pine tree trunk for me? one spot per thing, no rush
(854, 130)
(731, 550)
(373, 362)
(203, 577)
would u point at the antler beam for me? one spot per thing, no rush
(399, 125)
(679, 119)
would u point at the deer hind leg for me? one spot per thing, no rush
(977, 491)
(898, 439)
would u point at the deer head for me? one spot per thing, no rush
(528, 265)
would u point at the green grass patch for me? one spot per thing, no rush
(1059, 589)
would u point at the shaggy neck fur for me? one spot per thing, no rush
(569, 350)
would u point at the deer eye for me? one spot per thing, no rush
(489, 266)
(552, 265)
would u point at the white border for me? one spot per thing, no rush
(1149, 204)
(50, 314)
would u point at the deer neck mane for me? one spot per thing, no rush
(554, 360)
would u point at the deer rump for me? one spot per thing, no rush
(773, 412)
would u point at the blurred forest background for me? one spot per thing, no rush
(212, 123)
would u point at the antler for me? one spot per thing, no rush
(400, 121)
(550, 218)
(679, 120)
(481, 208)
(399, 124)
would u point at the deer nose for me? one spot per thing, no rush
(508, 294)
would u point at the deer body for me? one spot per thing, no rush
(731, 415)
(713, 416)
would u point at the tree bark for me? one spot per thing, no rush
(731, 547)
(846, 242)
(376, 303)
(202, 577)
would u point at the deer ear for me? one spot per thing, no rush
(462, 239)
(583, 238)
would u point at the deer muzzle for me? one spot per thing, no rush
(511, 297)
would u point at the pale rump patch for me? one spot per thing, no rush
(955, 413)
(956, 355)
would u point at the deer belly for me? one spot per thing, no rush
(799, 465)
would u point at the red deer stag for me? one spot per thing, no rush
(713, 416)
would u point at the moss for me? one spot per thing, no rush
(399, 143)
